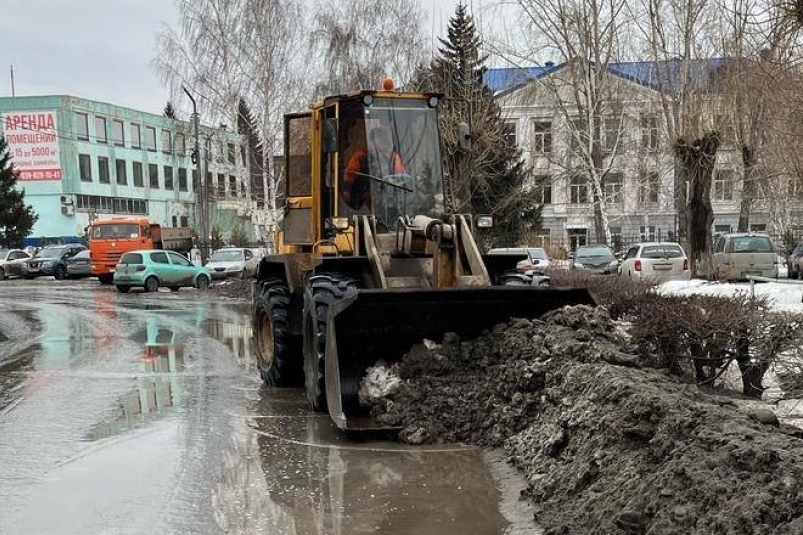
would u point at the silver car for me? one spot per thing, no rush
(11, 262)
(232, 262)
(741, 254)
(656, 261)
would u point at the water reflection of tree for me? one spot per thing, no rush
(332, 490)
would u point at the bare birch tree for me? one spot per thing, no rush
(357, 43)
(587, 35)
(228, 50)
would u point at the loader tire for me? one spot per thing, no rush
(321, 291)
(514, 278)
(278, 358)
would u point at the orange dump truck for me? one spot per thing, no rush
(110, 238)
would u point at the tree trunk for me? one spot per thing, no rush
(752, 372)
(697, 160)
(746, 202)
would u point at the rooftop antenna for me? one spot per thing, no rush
(13, 92)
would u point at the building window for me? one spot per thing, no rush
(232, 154)
(136, 137)
(616, 237)
(167, 141)
(100, 130)
(722, 186)
(648, 188)
(232, 187)
(153, 175)
(103, 170)
(578, 135)
(649, 132)
(221, 187)
(118, 133)
(85, 167)
(150, 138)
(543, 189)
(137, 172)
(122, 177)
(168, 177)
(181, 144)
(578, 190)
(509, 133)
(82, 126)
(758, 227)
(613, 129)
(185, 222)
(542, 137)
(722, 229)
(175, 221)
(648, 233)
(614, 189)
(182, 179)
(96, 203)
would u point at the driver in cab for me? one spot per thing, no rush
(379, 157)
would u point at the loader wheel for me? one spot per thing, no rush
(514, 278)
(321, 291)
(277, 350)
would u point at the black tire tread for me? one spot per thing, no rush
(322, 290)
(273, 298)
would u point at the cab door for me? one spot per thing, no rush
(298, 213)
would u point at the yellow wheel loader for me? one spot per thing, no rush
(370, 259)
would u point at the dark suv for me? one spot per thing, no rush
(51, 261)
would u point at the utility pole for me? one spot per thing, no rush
(13, 92)
(201, 205)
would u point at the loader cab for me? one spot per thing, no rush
(368, 152)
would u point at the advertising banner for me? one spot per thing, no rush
(32, 138)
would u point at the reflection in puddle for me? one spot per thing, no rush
(285, 474)
(152, 399)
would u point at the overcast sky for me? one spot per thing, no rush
(101, 49)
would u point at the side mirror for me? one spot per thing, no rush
(330, 136)
(464, 136)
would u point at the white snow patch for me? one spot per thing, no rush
(429, 344)
(781, 296)
(380, 381)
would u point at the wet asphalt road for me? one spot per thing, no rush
(142, 414)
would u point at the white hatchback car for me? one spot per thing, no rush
(656, 261)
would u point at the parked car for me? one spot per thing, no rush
(656, 261)
(79, 265)
(794, 262)
(740, 254)
(596, 258)
(232, 262)
(536, 257)
(51, 260)
(149, 269)
(11, 262)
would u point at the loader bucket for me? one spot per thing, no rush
(374, 325)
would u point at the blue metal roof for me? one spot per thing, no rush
(647, 73)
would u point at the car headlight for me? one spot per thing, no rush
(614, 263)
(47, 263)
(578, 265)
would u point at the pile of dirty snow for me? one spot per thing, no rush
(232, 289)
(607, 447)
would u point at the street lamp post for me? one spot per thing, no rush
(202, 207)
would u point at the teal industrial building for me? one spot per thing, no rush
(79, 160)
